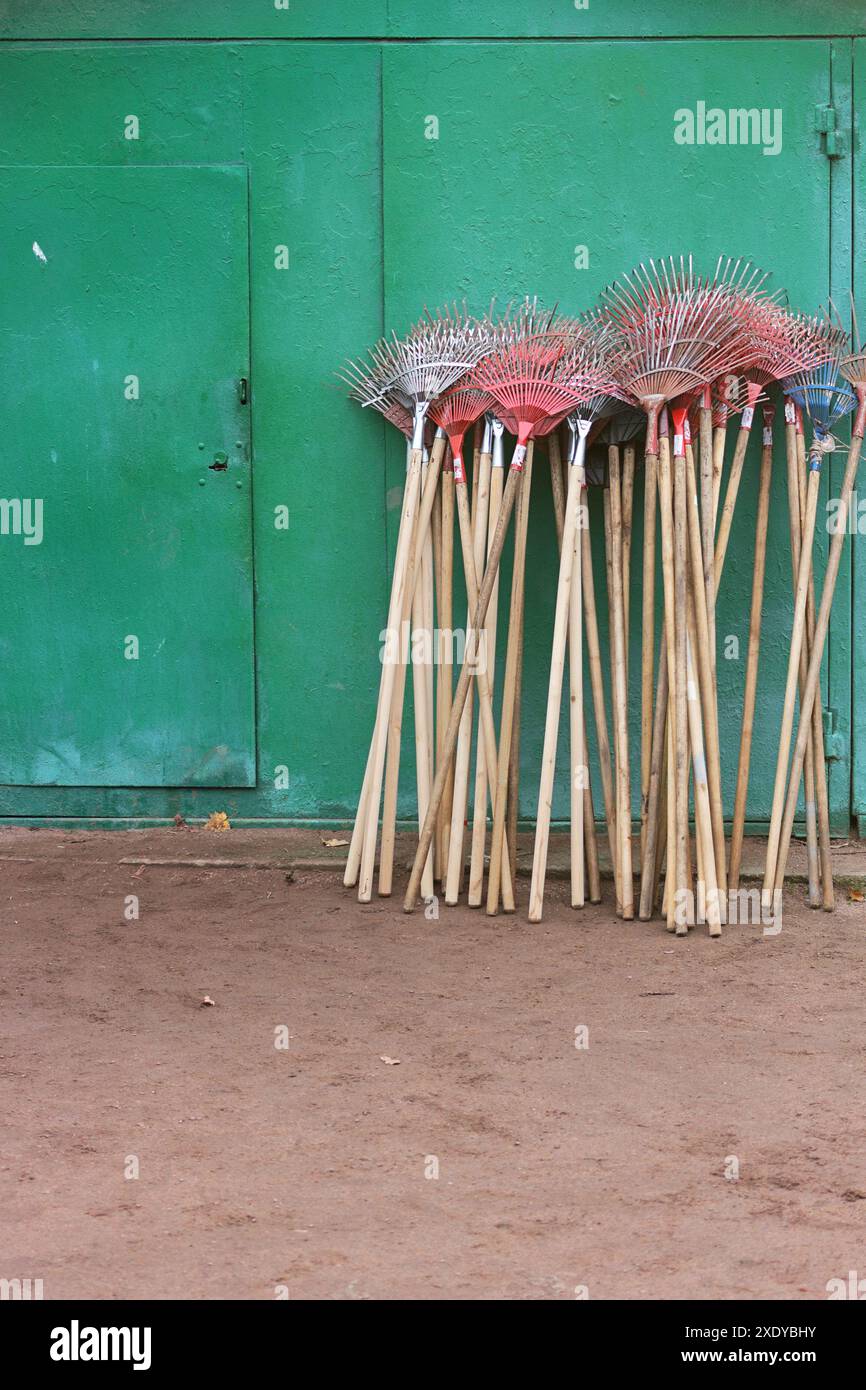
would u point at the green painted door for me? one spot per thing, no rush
(126, 644)
(551, 168)
(858, 522)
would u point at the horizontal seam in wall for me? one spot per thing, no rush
(448, 38)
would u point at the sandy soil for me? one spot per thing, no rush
(558, 1166)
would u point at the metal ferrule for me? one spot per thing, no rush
(487, 438)
(498, 445)
(580, 429)
(418, 428)
(579, 456)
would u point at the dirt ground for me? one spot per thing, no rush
(312, 1166)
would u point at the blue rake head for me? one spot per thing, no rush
(821, 393)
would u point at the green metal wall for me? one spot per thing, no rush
(557, 134)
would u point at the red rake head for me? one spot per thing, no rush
(454, 412)
(780, 344)
(678, 330)
(522, 378)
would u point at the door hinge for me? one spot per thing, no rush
(835, 743)
(826, 123)
(244, 391)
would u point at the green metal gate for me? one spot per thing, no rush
(311, 185)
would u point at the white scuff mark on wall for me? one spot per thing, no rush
(39, 253)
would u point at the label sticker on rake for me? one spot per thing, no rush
(459, 471)
(678, 446)
(687, 431)
(790, 412)
(519, 456)
(768, 437)
(748, 417)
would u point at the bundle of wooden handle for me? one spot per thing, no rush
(679, 355)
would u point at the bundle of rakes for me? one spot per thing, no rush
(672, 355)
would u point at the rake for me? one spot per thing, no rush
(410, 615)
(818, 854)
(522, 378)
(596, 679)
(432, 357)
(588, 374)
(853, 369)
(783, 345)
(549, 336)
(654, 314)
(681, 333)
(825, 395)
(367, 385)
(455, 412)
(494, 431)
(591, 625)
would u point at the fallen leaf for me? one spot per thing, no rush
(180, 823)
(332, 843)
(217, 820)
(855, 896)
(207, 1003)
(290, 876)
(390, 1061)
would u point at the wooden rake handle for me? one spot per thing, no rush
(822, 625)
(466, 674)
(554, 695)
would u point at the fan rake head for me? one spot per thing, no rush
(454, 412)
(537, 379)
(414, 370)
(781, 344)
(678, 330)
(823, 392)
(521, 377)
